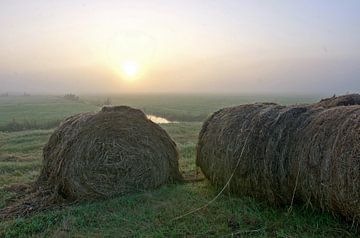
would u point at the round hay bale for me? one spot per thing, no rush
(308, 154)
(112, 152)
(345, 100)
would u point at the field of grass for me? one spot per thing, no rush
(151, 213)
(43, 112)
(37, 112)
(192, 107)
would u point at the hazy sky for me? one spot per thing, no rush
(99, 46)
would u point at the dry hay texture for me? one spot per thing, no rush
(112, 152)
(98, 155)
(308, 153)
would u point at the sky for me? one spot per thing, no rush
(162, 46)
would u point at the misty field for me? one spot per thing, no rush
(44, 112)
(27, 122)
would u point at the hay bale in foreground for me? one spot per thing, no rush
(95, 155)
(115, 151)
(308, 154)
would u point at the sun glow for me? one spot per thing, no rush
(130, 55)
(130, 69)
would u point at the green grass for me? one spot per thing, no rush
(193, 107)
(45, 112)
(34, 112)
(151, 213)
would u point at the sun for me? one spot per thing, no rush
(130, 68)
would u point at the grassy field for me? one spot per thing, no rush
(152, 213)
(44, 112)
(37, 112)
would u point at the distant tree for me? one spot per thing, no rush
(72, 97)
(4, 95)
(107, 102)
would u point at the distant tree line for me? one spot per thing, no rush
(106, 102)
(72, 97)
(6, 94)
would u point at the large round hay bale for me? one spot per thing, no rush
(308, 154)
(345, 100)
(115, 151)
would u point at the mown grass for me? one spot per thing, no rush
(24, 143)
(152, 213)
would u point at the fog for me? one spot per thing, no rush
(234, 46)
